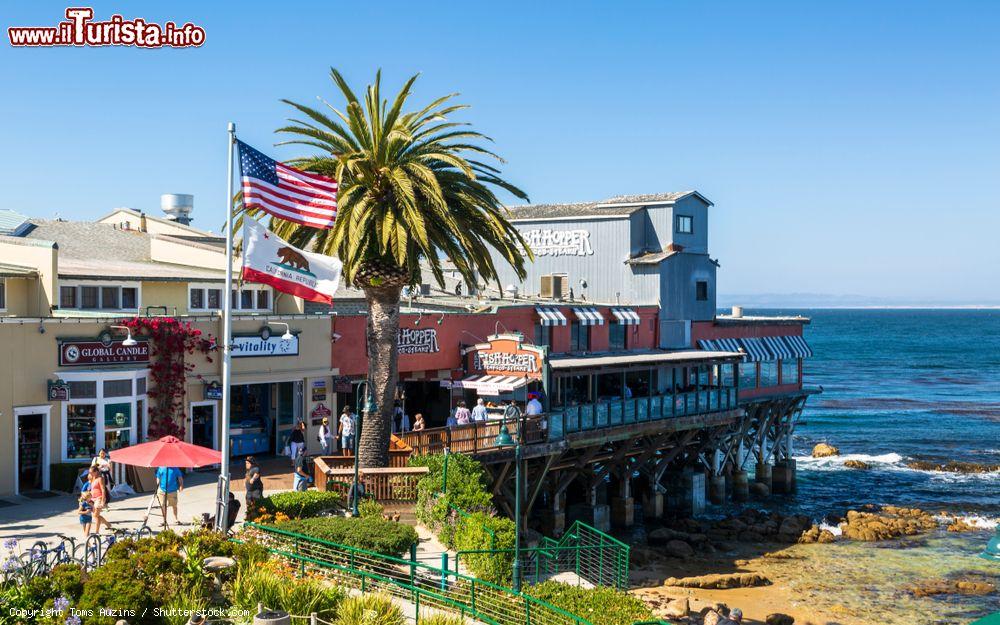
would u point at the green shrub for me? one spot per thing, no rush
(467, 491)
(297, 505)
(370, 508)
(115, 584)
(67, 580)
(256, 584)
(471, 535)
(600, 606)
(369, 609)
(439, 618)
(369, 533)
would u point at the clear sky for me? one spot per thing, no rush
(849, 147)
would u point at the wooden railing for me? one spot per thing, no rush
(388, 484)
(474, 437)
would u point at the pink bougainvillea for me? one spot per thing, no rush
(170, 342)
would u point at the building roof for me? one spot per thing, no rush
(8, 270)
(617, 206)
(12, 222)
(639, 358)
(142, 270)
(195, 232)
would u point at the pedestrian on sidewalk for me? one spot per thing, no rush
(297, 439)
(85, 510)
(103, 464)
(169, 484)
(98, 498)
(346, 430)
(301, 472)
(325, 436)
(253, 485)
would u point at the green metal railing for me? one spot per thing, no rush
(423, 585)
(586, 551)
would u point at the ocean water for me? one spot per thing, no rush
(898, 386)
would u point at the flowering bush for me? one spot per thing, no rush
(170, 340)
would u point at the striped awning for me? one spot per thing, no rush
(721, 345)
(798, 346)
(778, 347)
(626, 316)
(491, 384)
(589, 316)
(550, 316)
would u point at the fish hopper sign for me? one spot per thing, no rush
(506, 354)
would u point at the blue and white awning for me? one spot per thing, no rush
(778, 347)
(755, 349)
(798, 346)
(549, 316)
(721, 345)
(626, 316)
(589, 316)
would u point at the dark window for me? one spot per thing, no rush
(748, 375)
(197, 298)
(88, 296)
(685, 224)
(579, 337)
(701, 291)
(543, 335)
(83, 390)
(3, 294)
(117, 388)
(769, 373)
(263, 299)
(130, 297)
(246, 299)
(618, 336)
(214, 298)
(109, 297)
(67, 297)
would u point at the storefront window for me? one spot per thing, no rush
(769, 373)
(118, 388)
(748, 375)
(725, 374)
(117, 426)
(618, 336)
(790, 371)
(579, 337)
(83, 390)
(81, 431)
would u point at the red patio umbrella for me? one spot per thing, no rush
(169, 451)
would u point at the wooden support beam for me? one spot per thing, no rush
(539, 481)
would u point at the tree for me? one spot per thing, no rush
(413, 190)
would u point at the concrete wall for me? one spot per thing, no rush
(40, 256)
(21, 296)
(679, 275)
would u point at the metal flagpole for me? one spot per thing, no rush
(222, 505)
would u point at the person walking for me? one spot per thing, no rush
(346, 430)
(325, 436)
(301, 471)
(98, 499)
(462, 414)
(103, 464)
(169, 483)
(534, 406)
(85, 510)
(479, 411)
(418, 422)
(512, 412)
(253, 485)
(297, 440)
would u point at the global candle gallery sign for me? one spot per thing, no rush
(103, 351)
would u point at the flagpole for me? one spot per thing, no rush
(222, 506)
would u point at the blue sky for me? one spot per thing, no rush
(849, 147)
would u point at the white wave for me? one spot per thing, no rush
(833, 529)
(981, 522)
(836, 463)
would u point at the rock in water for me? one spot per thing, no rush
(759, 490)
(678, 549)
(720, 581)
(959, 525)
(779, 619)
(822, 450)
(674, 609)
(856, 464)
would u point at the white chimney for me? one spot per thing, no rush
(178, 207)
(737, 311)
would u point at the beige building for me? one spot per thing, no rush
(69, 386)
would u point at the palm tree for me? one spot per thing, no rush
(413, 191)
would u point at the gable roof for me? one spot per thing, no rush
(617, 206)
(12, 222)
(183, 227)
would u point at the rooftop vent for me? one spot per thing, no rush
(737, 312)
(178, 207)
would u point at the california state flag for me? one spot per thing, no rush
(269, 260)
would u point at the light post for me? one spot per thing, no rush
(504, 440)
(358, 423)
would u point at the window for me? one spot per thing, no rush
(579, 337)
(196, 299)
(246, 299)
(617, 336)
(117, 426)
(769, 373)
(109, 297)
(748, 375)
(83, 390)
(543, 335)
(67, 297)
(88, 297)
(790, 371)
(685, 224)
(130, 297)
(215, 299)
(205, 298)
(701, 291)
(251, 298)
(263, 299)
(118, 388)
(3, 294)
(81, 430)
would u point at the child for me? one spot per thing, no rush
(84, 510)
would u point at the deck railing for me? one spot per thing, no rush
(474, 437)
(383, 485)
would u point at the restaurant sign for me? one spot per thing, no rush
(105, 351)
(418, 341)
(550, 242)
(255, 345)
(506, 354)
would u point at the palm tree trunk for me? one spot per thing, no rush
(383, 368)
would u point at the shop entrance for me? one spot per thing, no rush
(429, 399)
(262, 416)
(30, 452)
(203, 425)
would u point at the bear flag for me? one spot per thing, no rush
(269, 260)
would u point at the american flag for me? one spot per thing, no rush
(285, 192)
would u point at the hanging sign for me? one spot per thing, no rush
(506, 354)
(418, 341)
(58, 390)
(342, 385)
(213, 390)
(75, 353)
(320, 412)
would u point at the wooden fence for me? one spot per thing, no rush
(384, 485)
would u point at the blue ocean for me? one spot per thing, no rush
(902, 386)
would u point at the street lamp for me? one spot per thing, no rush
(129, 341)
(505, 440)
(287, 336)
(358, 423)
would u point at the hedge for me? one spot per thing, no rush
(471, 535)
(296, 504)
(368, 533)
(600, 606)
